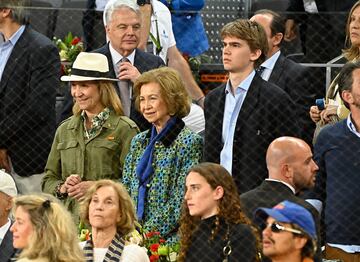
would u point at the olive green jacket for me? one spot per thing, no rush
(101, 157)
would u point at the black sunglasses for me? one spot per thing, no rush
(276, 228)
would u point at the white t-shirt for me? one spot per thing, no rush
(195, 120)
(4, 229)
(162, 15)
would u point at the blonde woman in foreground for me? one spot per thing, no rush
(44, 231)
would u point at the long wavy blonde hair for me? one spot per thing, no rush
(54, 234)
(351, 51)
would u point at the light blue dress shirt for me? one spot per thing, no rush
(269, 65)
(6, 48)
(233, 103)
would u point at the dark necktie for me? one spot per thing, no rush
(260, 70)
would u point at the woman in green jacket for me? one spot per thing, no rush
(91, 144)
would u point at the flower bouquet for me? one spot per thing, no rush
(158, 250)
(84, 233)
(69, 48)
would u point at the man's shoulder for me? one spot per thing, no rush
(332, 130)
(267, 88)
(35, 38)
(216, 91)
(102, 50)
(147, 56)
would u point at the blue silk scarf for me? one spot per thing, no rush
(144, 169)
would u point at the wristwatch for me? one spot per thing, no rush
(143, 2)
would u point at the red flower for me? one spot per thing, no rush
(161, 240)
(75, 41)
(157, 233)
(154, 247)
(154, 258)
(149, 235)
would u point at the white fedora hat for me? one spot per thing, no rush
(89, 67)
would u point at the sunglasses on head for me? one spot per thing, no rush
(276, 228)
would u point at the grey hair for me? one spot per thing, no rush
(19, 12)
(113, 5)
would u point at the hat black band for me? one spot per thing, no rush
(89, 73)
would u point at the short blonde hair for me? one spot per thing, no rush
(126, 207)
(108, 97)
(54, 233)
(172, 90)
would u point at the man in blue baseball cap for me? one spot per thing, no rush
(288, 232)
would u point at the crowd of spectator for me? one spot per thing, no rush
(241, 184)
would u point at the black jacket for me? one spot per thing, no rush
(202, 248)
(27, 102)
(266, 113)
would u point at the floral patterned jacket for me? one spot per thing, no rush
(173, 156)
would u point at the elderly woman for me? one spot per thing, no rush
(212, 224)
(159, 158)
(93, 143)
(109, 210)
(44, 231)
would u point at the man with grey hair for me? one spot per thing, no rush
(29, 74)
(126, 61)
(7, 192)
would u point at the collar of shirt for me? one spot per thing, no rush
(244, 85)
(270, 62)
(97, 122)
(15, 37)
(286, 184)
(351, 126)
(116, 57)
(4, 229)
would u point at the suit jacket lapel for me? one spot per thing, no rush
(277, 70)
(219, 111)
(250, 102)
(139, 60)
(14, 59)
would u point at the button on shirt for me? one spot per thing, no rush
(6, 48)
(233, 104)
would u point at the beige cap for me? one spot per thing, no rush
(7, 184)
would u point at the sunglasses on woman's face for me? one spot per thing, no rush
(277, 228)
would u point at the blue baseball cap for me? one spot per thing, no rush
(288, 212)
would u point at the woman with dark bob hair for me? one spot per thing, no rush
(159, 158)
(44, 231)
(108, 209)
(212, 224)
